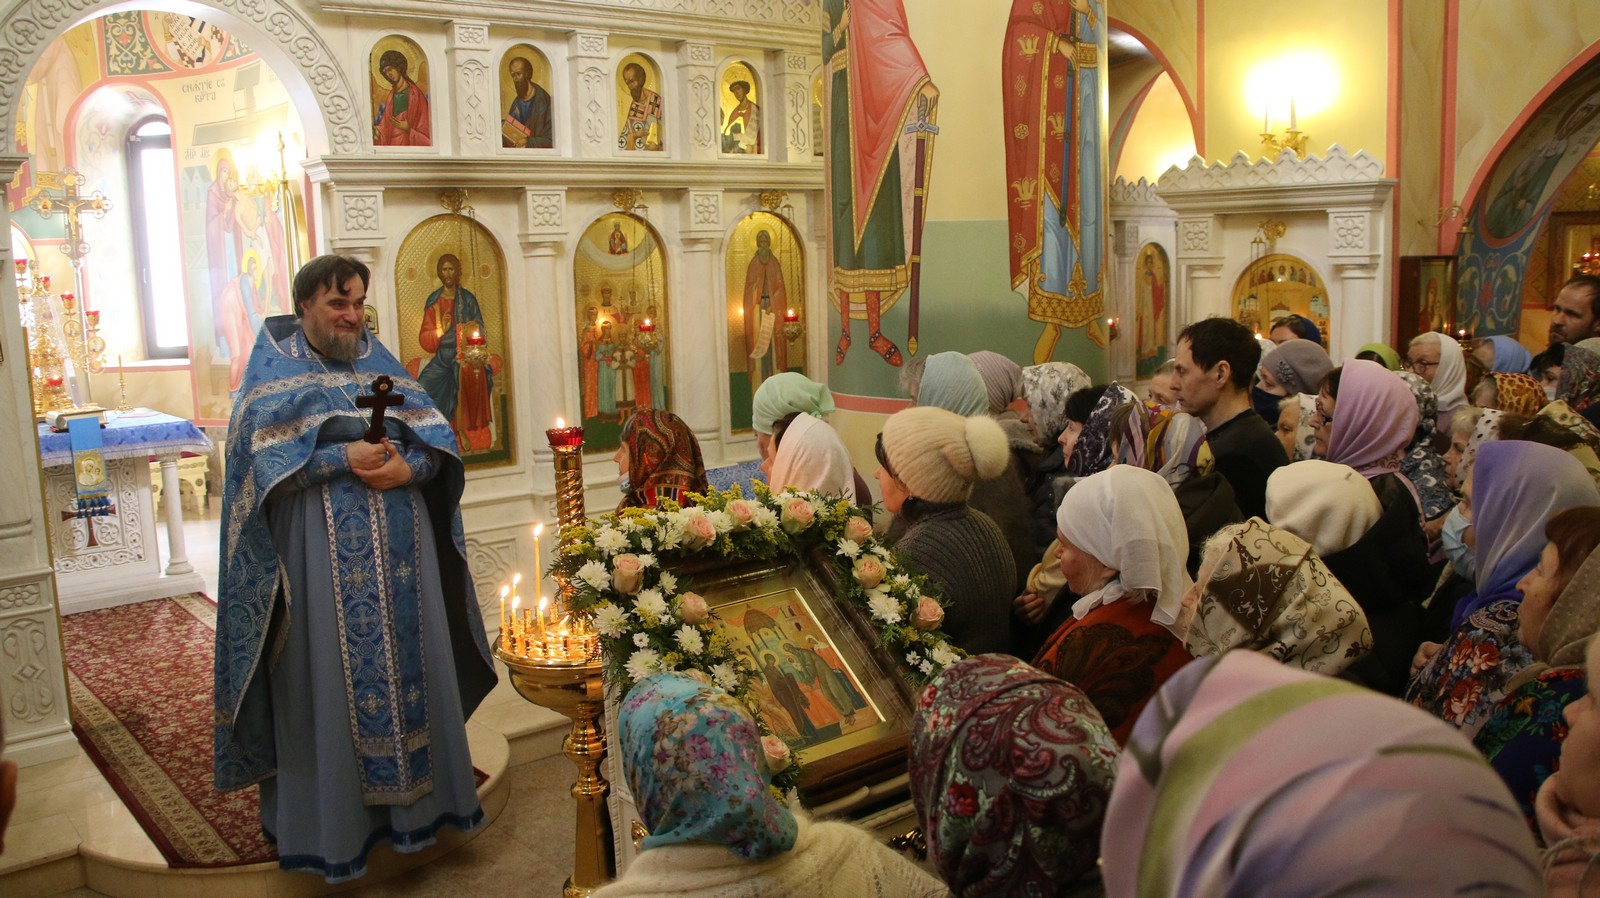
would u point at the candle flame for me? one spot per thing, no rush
(504, 591)
(514, 603)
(516, 579)
(560, 424)
(538, 529)
(647, 322)
(543, 601)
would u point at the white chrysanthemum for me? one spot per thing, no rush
(668, 582)
(651, 602)
(610, 620)
(595, 574)
(630, 525)
(647, 544)
(913, 593)
(764, 517)
(726, 675)
(900, 581)
(926, 667)
(912, 658)
(885, 607)
(943, 654)
(641, 639)
(610, 540)
(721, 520)
(849, 549)
(643, 663)
(670, 538)
(689, 640)
(880, 551)
(647, 561)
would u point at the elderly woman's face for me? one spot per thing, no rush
(621, 458)
(1452, 459)
(1084, 572)
(1322, 424)
(1289, 427)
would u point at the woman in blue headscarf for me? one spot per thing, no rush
(694, 760)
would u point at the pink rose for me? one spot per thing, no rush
(693, 609)
(797, 515)
(858, 530)
(627, 574)
(742, 512)
(777, 752)
(868, 571)
(928, 615)
(698, 531)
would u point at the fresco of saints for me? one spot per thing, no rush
(605, 354)
(244, 304)
(224, 240)
(641, 126)
(461, 392)
(1151, 306)
(402, 119)
(527, 122)
(741, 127)
(765, 298)
(588, 357)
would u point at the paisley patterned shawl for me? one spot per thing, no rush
(1010, 772)
(663, 459)
(284, 400)
(1269, 592)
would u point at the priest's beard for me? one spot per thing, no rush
(341, 346)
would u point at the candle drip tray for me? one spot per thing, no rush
(562, 686)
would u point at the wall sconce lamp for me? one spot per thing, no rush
(1112, 329)
(1292, 139)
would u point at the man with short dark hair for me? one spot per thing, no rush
(1216, 360)
(1575, 315)
(350, 648)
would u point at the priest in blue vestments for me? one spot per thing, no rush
(350, 646)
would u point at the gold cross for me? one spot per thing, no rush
(44, 201)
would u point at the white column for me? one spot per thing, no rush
(177, 549)
(698, 380)
(1124, 297)
(1199, 266)
(788, 109)
(595, 117)
(477, 88)
(1353, 235)
(33, 685)
(701, 119)
(548, 329)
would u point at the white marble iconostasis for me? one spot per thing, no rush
(533, 202)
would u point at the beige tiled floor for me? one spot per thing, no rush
(65, 804)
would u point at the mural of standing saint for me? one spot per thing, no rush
(883, 109)
(400, 116)
(741, 115)
(766, 283)
(451, 318)
(1154, 273)
(1050, 72)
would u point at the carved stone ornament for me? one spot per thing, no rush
(469, 35)
(491, 563)
(25, 652)
(32, 24)
(705, 129)
(799, 117)
(22, 595)
(592, 83)
(797, 62)
(1194, 235)
(544, 211)
(1287, 170)
(699, 54)
(361, 213)
(473, 84)
(706, 209)
(592, 43)
(1138, 193)
(1349, 231)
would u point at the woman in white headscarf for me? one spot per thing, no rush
(1438, 360)
(811, 456)
(1122, 547)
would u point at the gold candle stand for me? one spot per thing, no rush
(576, 690)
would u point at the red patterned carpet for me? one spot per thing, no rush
(140, 677)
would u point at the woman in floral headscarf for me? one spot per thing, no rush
(1046, 388)
(1249, 777)
(1263, 588)
(1518, 394)
(1558, 617)
(1088, 440)
(1515, 489)
(1580, 380)
(659, 459)
(1010, 771)
(698, 769)
(1421, 465)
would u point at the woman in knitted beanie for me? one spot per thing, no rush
(929, 459)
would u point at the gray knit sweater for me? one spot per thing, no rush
(965, 557)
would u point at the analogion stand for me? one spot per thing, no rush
(112, 560)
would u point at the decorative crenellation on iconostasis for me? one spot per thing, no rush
(479, 164)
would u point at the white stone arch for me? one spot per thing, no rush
(278, 31)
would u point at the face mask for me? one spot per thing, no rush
(1266, 404)
(1462, 559)
(625, 485)
(1549, 393)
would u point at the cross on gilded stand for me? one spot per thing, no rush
(383, 397)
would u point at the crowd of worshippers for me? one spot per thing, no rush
(1288, 624)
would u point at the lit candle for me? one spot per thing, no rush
(92, 316)
(54, 380)
(512, 645)
(543, 601)
(504, 621)
(646, 327)
(538, 566)
(47, 282)
(791, 315)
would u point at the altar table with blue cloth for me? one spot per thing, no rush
(113, 559)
